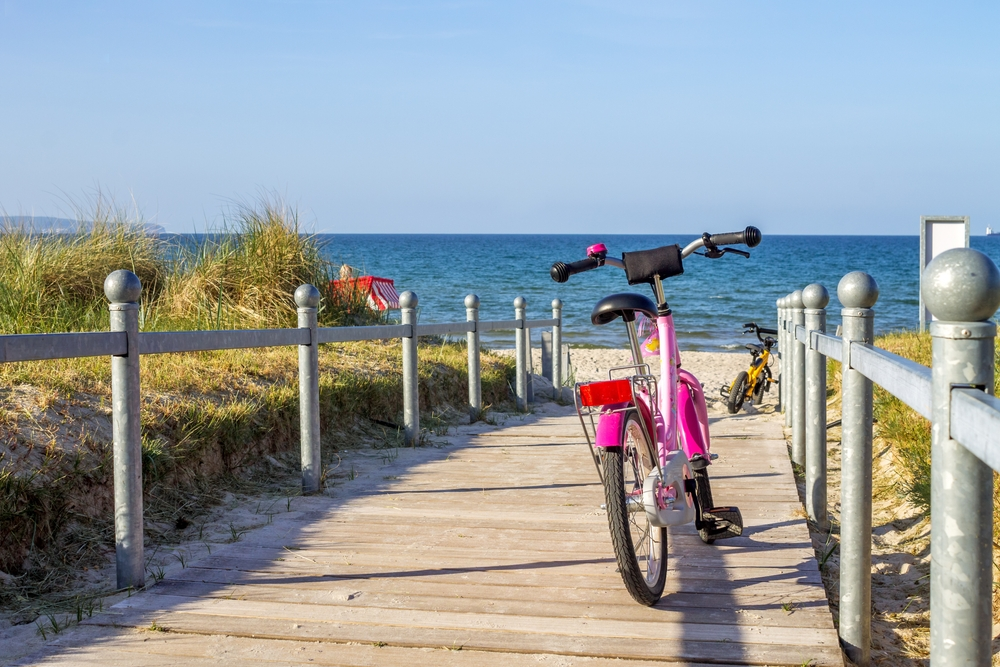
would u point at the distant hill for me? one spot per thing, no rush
(47, 225)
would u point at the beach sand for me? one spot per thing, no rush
(713, 369)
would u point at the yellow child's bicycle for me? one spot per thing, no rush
(751, 384)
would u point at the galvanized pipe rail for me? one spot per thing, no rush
(961, 288)
(125, 344)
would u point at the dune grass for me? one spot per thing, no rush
(212, 422)
(909, 435)
(56, 282)
(241, 276)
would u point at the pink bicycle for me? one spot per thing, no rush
(650, 442)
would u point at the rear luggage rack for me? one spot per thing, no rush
(590, 397)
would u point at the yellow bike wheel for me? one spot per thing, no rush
(738, 393)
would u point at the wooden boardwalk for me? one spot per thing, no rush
(491, 551)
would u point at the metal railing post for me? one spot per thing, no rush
(961, 288)
(787, 360)
(798, 402)
(123, 290)
(521, 376)
(781, 356)
(307, 299)
(475, 378)
(411, 393)
(529, 364)
(815, 297)
(857, 292)
(557, 349)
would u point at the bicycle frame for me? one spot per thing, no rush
(754, 370)
(674, 417)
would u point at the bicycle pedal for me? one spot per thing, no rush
(723, 522)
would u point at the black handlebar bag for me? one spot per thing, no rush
(644, 265)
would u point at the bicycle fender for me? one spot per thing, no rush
(610, 424)
(692, 414)
(682, 510)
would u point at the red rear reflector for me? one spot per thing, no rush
(603, 393)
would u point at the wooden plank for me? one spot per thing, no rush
(489, 639)
(494, 622)
(460, 556)
(468, 599)
(581, 574)
(130, 648)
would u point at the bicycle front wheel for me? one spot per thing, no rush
(738, 393)
(640, 548)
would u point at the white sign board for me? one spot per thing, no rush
(937, 234)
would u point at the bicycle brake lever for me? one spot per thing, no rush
(716, 253)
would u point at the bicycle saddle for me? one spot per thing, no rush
(622, 305)
(755, 348)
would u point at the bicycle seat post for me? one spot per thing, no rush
(633, 341)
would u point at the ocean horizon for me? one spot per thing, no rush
(711, 299)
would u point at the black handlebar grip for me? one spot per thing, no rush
(750, 237)
(561, 271)
(749, 325)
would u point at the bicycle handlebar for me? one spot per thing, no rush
(750, 237)
(752, 327)
(561, 271)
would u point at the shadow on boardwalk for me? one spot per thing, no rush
(489, 551)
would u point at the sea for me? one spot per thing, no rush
(711, 300)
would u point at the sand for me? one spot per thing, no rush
(713, 369)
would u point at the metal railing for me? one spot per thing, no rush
(962, 290)
(125, 344)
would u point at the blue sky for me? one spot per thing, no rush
(800, 117)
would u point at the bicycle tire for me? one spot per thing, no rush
(761, 386)
(703, 490)
(640, 548)
(737, 393)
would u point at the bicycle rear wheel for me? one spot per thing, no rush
(640, 548)
(761, 386)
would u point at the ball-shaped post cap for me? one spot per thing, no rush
(472, 301)
(961, 285)
(815, 296)
(519, 302)
(857, 290)
(122, 286)
(795, 299)
(408, 299)
(306, 296)
(556, 303)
